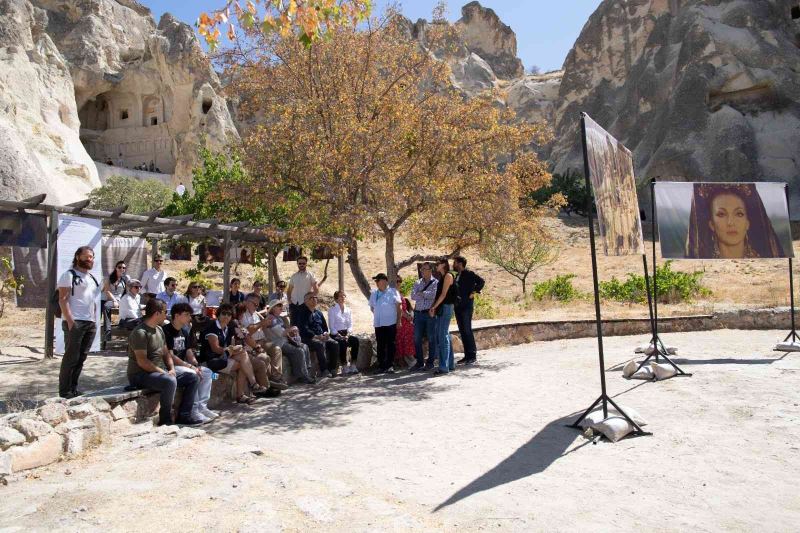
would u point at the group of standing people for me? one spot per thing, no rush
(437, 297)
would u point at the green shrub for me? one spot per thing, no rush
(407, 285)
(484, 307)
(673, 287)
(570, 184)
(559, 288)
(141, 196)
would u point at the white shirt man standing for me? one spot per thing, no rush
(79, 300)
(385, 304)
(301, 283)
(153, 278)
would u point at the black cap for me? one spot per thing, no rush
(381, 276)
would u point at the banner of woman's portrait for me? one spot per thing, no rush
(723, 220)
(611, 174)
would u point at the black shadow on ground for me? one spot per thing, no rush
(331, 402)
(535, 456)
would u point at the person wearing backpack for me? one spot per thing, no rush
(78, 298)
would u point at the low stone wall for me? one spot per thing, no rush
(523, 332)
(58, 429)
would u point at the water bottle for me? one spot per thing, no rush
(214, 376)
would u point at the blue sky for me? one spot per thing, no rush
(546, 30)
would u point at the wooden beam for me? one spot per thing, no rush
(33, 201)
(226, 268)
(52, 263)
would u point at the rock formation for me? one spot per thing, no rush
(96, 79)
(485, 35)
(698, 90)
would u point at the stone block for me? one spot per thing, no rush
(81, 411)
(53, 413)
(121, 426)
(223, 389)
(146, 406)
(131, 407)
(101, 405)
(367, 354)
(78, 400)
(5, 463)
(75, 442)
(33, 429)
(102, 423)
(119, 413)
(10, 437)
(44, 451)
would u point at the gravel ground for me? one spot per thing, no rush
(486, 448)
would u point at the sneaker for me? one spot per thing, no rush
(464, 360)
(439, 372)
(471, 361)
(416, 368)
(208, 413)
(280, 385)
(200, 416)
(390, 370)
(190, 421)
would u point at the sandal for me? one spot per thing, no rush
(258, 389)
(245, 399)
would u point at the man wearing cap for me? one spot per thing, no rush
(153, 278)
(314, 332)
(279, 333)
(385, 304)
(253, 324)
(130, 305)
(301, 283)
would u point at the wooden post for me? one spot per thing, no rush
(154, 251)
(270, 270)
(52, 273)
(226, 269)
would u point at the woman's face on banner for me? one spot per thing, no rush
(729, 220)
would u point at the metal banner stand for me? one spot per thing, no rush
(659, 349)
(604, 398)
(792, 334)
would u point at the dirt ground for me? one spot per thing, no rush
(486, 448)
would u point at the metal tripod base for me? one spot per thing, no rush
(661, 351)
(605, 399)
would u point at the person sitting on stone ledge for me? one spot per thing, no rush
(150, 367)
(130, 310)
(253, 323)
(219, 353)
(170, 294)
(278, 333)
(181, 346)
(340, 322)
(314, 332)
(262, 298)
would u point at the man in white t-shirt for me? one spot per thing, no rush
(79, 300)
(301, 283)
(153, 278)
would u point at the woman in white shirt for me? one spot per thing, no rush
(340, 322)
(196, 299)
(130, 309)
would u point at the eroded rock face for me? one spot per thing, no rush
(88, 80)
(698, 90)
(487, 36)
(534, 97)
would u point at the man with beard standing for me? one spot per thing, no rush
(78, 298)
(469, 284)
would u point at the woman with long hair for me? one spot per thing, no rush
(442, 309)
(729, 221)
(114, 288)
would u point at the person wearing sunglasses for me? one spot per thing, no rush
(130, 306)
(153, 278)
(170, 294)
(113, 290)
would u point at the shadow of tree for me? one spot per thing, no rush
(331, 402)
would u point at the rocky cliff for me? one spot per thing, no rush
(698, 90)
(97, 79)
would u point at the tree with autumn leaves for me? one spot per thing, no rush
(365, 127)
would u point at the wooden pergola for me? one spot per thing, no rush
(154, 227)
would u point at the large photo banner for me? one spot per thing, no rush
(723, 220)
(611, 174)
(74, 232)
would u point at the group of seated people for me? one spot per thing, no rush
(174, 344)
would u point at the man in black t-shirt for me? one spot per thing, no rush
(181, 345)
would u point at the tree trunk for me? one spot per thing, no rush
(391, 267)
(273, 260)
(355, 268)
(523, 286)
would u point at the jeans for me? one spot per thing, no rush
(106, 306)
(77, 343)
(443, 345)
(203, 387)
(385, 338)
(344, 342)
(329, 363)
(299, 360)
(424, 326)
(167, 385)
(464, 321)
